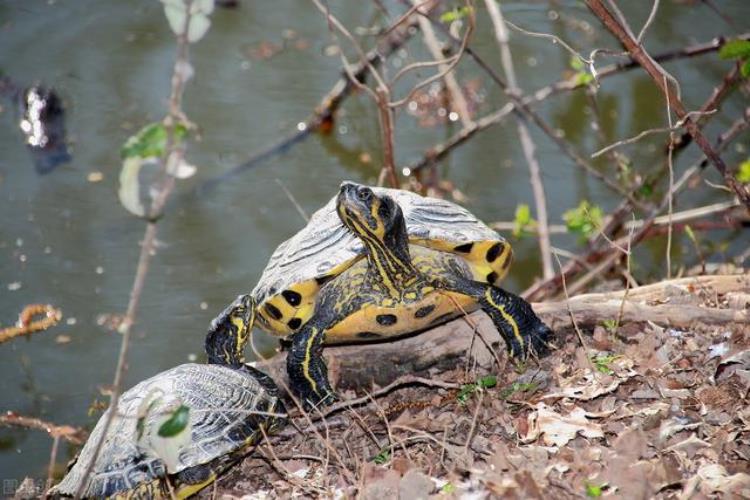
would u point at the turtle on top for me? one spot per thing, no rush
(376, 263)
(230, 405)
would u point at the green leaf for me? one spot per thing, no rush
(583, 78)
(743, 172)
(745, 69)
(487, 381)
(609, 324)
(593, 490)
(585, 219)
(465, 392)
(176, 423)
(601, 363)
(448, 488)
(523, 223)
(646, 190)
(515, 387)
(576, 64)
(455, 14)
(735, 49)
(150, 141)
(383, 457)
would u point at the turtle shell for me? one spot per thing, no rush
(134, 458)
(325, 247)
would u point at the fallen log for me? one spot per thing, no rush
(679, 303)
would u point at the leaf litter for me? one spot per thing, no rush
(657, 413)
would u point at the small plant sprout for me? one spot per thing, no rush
(585, 219)
(383, 457)
(581, 76)
(738, 50)
(517, 387)
(743, 171)
(523, 223)
(456, 14)
(601, 363)
(610, 325)
(594, 490)
(467, 390)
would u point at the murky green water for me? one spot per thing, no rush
(67, 241)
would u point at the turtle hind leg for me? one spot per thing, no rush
(308, 374)
(524, 333)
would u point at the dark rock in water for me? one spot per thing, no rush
(43, 124)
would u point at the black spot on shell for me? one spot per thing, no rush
(493, 252)
(368, 335)
(292, 297)
(294, 323)
(386, 319)
(492, 277)
(424, 311)
(273, 311)
(465, 248)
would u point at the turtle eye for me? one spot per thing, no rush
(364, 194)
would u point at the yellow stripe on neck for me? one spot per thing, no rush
(306, 361)
(507, 317)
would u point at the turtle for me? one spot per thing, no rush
(229, 406)
(377, 263)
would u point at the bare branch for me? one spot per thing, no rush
(527, 144)
(658, 73)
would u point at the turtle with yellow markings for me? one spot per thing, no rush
(377, 263)
(229, 405)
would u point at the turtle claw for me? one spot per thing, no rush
(537, 339)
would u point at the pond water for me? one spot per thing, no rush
(67, 241)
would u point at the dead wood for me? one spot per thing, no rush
(676, 303)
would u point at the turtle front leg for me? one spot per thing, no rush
(520, 327)
(308, 374)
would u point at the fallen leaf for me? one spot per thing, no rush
(556, 429)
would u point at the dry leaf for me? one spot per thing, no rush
(557, 429)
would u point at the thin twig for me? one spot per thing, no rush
(174, 153)
(573, 320)
(671, 128)
(670, 192)
(651, 17)
(293, 201)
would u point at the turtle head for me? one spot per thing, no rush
(229, 331)
(369, 215)
(379, 223)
